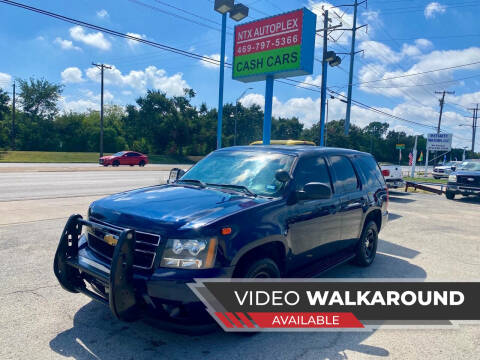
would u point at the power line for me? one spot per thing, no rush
(112, 32)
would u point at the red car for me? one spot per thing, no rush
(124, 158)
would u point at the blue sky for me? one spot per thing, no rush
(404, 37)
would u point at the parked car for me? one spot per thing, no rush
(443, 171)
(124, 158)
(465, 180)
(241, 212)
(393, 175)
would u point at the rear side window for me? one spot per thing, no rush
(370, 170)
(313, 169)
(347, 180)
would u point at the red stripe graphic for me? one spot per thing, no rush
(234, 320)
(305, 320)
(224, 320)
(245, 320)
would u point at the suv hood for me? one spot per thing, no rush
(170, 207)
(467, 173)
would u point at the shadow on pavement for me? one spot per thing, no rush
(399, 193)
(387, 247)
(400, 200)
(96, 334)
(469, 199)
(392, 216)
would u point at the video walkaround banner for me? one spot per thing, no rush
(335, 304)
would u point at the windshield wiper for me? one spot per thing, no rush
(236, 187)
(193, 181)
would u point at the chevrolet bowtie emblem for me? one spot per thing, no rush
(110, 239)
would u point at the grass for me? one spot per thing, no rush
(427, 179)
(77, 157)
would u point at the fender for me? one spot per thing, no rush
(255, 244)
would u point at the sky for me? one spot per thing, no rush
(403, 37)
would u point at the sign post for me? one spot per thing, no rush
(272, 48)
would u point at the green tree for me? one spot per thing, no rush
(5, 126)
(39, 97)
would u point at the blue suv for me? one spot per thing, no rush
(244, 212)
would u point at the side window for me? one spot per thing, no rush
(312, 169)
(347, 180)
(132, 154)
(370, 169)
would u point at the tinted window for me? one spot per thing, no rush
(370, 169)
(313, 169)
(132, 154)
(346, 177)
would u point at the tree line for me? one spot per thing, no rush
(159, 124)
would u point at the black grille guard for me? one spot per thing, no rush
(70, 271)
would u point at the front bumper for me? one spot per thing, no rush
(160, 293)
(462, 189)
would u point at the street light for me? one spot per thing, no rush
(237, 13)
(236, 113)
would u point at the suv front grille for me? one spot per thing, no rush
(145, 247)
(463, 180)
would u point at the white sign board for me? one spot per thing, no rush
(439, 142)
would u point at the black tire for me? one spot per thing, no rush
(450, 195)
(115, 163)
(367, 246)
(141, 163)
(261, 269)
(436, 177)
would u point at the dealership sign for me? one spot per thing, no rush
(439, 142)
(280, 46)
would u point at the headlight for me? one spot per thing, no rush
(189, 253)
(452, 178)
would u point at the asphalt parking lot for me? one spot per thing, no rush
(428, 237)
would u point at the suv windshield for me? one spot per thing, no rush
(470, 166)
(253, 170)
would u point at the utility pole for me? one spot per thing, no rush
(323, 94)
(474, 126)
(352, 59)
(442, 102)
(102, 67)
(13, 117)
(414, 158)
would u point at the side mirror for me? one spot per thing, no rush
(174, 175)
(315, 191)
(283, 176)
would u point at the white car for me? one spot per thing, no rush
(393, 175)
(442, 171)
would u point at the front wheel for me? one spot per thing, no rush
(115, 163)
(450, 195)
(367, 246)
(261, 269)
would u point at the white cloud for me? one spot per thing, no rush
(313, 80)
(307, 110)
(102, 14)
(87, 101)
(378, 51)
(133, 43)
(65, 44)
(93, 39)
(5, 80)
(210, 65)
(434, 8)
(140, 80)
(72, 75)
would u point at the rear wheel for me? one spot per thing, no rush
(261, 269)
(367, 246)
(141, 163)
(450, 195)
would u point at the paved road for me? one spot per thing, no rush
(47, 185)
(427, 238)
